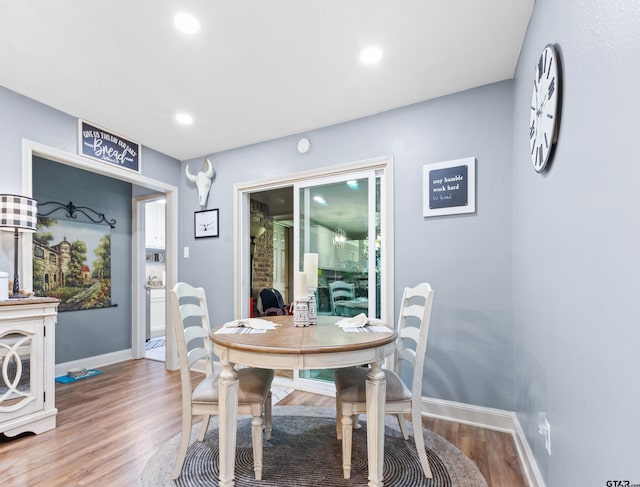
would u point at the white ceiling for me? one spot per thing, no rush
(257, 70)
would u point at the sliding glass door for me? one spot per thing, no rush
(342, 213)
(339, 219)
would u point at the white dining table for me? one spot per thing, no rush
(321, 346)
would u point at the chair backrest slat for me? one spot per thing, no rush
(197, 354)
(413, 310)
(191, 310)
(193, 332)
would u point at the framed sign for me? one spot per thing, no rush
(206, 224)
(105, 146)
(449, 187)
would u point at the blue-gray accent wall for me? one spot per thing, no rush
(88, 333)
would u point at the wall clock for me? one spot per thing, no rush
(545, 109)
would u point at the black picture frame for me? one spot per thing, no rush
(206, 224)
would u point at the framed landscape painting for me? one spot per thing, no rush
(72, 262)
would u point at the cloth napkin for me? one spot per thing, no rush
(358, 321)
(255, 323)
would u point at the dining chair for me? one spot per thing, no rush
(271, 303)
(341, 291)
(191, 324)
(411, 346)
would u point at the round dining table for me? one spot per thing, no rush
(321, 346)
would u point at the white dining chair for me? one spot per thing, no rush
(412, 329)
(191, 323)
(341, 291)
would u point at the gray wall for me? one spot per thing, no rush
(80, 334)
(88, 333)
(576, 247)
(467, 258)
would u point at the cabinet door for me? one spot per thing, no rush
(21, 369)
(154, 231)
(157, 310)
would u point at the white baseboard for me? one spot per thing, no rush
(494, 419)
(529, 464)
(95, 362)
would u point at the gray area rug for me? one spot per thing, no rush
(304, 452)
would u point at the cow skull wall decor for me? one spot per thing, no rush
(202, 181)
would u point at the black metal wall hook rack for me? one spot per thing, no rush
(71, 209)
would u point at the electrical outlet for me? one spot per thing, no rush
(544, 428)
(186, 253)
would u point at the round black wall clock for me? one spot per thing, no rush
(545, 108)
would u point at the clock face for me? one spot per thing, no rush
(544, 108)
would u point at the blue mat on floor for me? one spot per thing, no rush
(65, 379)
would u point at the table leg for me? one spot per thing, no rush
(228, 411)
(376, 391)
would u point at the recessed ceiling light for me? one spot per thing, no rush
(184, 118)
(320, 200)
(371, 55)
(186, 23)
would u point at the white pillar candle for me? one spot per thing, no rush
(301, 289)
(311, 269)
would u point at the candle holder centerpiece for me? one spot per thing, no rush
(301, 312)
(305, 310)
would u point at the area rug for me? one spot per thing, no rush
(303, 452)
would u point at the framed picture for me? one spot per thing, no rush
(206, 224)
(449, 187)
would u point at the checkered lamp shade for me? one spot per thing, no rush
(18, 212)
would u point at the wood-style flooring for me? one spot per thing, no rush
(108, 427)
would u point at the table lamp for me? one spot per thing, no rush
(20, 214)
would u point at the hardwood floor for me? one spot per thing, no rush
(108, 426)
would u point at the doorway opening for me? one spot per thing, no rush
(32, 149)
(271, 245)
(155, 279)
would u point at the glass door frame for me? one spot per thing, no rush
(382, 167)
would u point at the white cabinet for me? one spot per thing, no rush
(157, 318)
(154, 228)
(345, 257)
(322, 244)
(27, 364)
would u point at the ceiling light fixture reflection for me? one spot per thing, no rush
(353, 184)
(371, 55)
(320, 200)
(184, 118)
(186, 23)
(339, 237)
